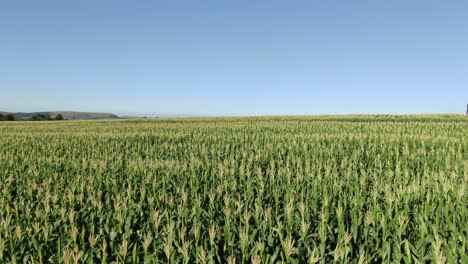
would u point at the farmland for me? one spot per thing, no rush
(351, 189)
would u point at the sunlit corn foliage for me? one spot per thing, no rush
(356, 189)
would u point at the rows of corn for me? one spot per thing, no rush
(363, 189)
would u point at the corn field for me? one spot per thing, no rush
(330, 189)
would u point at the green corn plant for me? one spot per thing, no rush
(303, 189)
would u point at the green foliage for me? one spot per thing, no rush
(7, 117)
(41, 117)
(233, 190)
(59, 117)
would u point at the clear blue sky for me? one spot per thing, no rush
(234, 57)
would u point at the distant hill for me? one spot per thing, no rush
(69, 115)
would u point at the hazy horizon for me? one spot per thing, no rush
(234, 58)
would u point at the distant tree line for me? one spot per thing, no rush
(42, 117)
(7, 117)
(37, 117)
